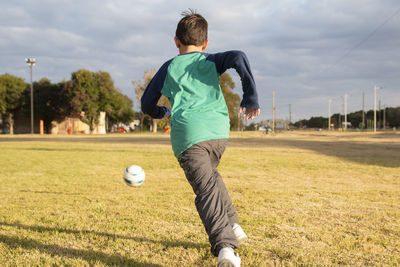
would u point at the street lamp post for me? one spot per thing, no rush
(31, 62)
(375, 88)
(273, 112)
(329, 114)
(345, 112)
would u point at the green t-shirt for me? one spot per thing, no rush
(191, 84)
(198, 108)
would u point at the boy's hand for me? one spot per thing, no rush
(249, 113)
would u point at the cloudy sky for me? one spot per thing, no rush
(306, 51)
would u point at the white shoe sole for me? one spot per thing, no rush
(228, 258)
(239, 233)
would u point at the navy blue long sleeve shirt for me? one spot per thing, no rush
(191, 84)
(223, 61)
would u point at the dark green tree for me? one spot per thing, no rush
(120, 109)
(106, 91)
(117, 106)
(50, 102)
(83, 94)
(393, 117)
(90, 93)
(11, 92)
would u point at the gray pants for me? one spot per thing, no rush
(212, 201)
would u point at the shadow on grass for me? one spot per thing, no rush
(379, 154)
(165, 243)
(368, 153)
(88, 255)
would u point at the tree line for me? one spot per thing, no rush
(86, 93)
(390, 116)
(89, 93)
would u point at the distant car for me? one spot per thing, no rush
(120, 130)
(4, 131)
(264, 129)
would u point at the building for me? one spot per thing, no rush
(74, 125)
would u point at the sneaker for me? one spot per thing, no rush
(228, 258)
(239, 233)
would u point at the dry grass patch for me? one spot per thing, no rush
(303, 198)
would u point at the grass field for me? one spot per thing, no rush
(303, 198)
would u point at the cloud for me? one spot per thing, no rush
(296, 48)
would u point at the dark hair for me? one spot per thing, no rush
(192, 28)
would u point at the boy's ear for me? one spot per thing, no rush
(177, 42)
(204, 46)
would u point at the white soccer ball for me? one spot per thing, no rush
(134, 175)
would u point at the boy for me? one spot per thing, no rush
(200, 125)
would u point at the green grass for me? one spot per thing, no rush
(303, 199)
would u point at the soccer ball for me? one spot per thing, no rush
(134, 175)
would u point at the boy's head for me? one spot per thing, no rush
(192, 29)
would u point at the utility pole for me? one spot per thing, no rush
(329, 114)
(379, 114)
(375, 88)
(375, 109)
(363, 109)
(273, 111)
(345, 111)
(290, 114)
(31, 62)
(384, 116)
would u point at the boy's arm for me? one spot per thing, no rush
(152, 94)
(238, 61)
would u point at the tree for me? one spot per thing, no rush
(106, 91)
(117, 106)
(120, 108)
(232, 100)
(93, 93)
(355, 118)
(393, 117)
(313, 122)
(50, 102)
(140, 87)
(317, 122)
(83, 96)
(11, 91)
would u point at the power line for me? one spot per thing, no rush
(349, 51)
(364, 40)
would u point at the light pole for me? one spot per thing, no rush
(329, 114)
(384, 116)
(363, 110)
(345, 112)
(375, 88)
(31, 62)
(273, 111)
